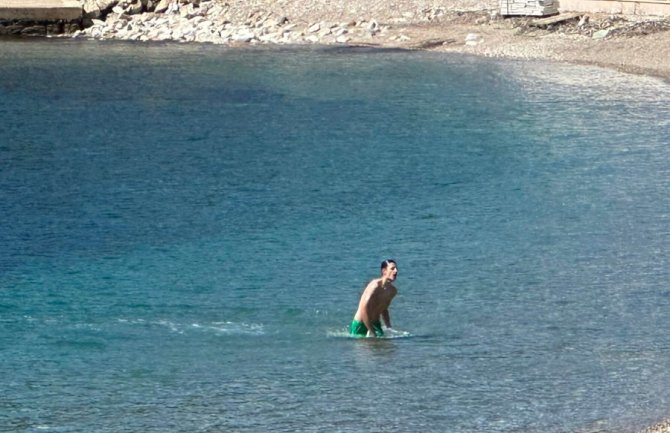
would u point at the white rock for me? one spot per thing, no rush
(91, 9)
(270, 38)
(154, 34)
(342, 39)
(289, 37)
(215, 11)
(243, 37)
(314, 28)
(173, 8)
(270, 23)
(205, 37)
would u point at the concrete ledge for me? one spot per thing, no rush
(40, 10)
(626, 7)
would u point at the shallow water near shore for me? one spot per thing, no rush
(186, 231)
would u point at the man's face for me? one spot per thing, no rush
(391, 272)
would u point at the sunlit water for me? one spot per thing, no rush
(186, 231)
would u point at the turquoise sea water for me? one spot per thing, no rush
(186, 231)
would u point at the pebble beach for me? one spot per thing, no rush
(634, 44)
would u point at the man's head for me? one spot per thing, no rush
(389, 269)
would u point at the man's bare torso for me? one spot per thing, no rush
(377, 297)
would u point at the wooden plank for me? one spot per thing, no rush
(546, 22)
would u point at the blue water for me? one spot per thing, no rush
(186, 231)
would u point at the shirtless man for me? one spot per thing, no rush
(375, 302)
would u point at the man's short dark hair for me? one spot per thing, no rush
(387, 262)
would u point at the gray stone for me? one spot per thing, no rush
(135, 8)
(34, 30)
(601, 34)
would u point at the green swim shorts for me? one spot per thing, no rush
(358, 328)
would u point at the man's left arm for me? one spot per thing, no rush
(385, 314)
(387, 318)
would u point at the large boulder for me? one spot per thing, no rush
(94, 9)
(162, 6)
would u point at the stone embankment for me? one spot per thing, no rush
(211, 21)
(219, 23)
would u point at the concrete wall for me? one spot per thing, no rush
(40, 10)
(659, 7)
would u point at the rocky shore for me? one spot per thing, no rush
(637, 44)
(216, 22)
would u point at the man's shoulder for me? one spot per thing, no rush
(375, 283)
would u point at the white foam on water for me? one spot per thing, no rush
(389, 333)
(221, 328)
(236, 328)
(395, 333)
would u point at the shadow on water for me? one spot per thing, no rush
(358, 49)
(376, 347)
(389, 345)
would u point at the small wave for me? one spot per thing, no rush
(338, 334)
(389, 333)
(394, 333)
(233, 328)
(174, 327)
(221, 328)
